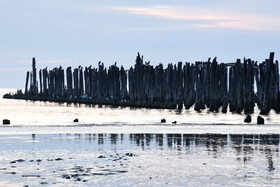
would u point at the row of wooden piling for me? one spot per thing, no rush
(216, 86)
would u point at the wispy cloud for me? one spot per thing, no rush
(13, 69)
(208, 18)
(46, 61)
(174, 12)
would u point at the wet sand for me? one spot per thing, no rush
(139, 160)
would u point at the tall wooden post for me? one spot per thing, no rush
(76, 83)
(81, 81)
(26, 84)
(69, 83)
(45, 86)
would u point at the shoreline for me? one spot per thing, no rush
(138, 129)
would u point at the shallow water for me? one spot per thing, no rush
(48, 114)
(139, 159)
(130, 147)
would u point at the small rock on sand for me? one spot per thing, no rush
(6, 122)
(260, 120)
(163, 120)
(248, 119)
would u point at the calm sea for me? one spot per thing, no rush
(44, 117)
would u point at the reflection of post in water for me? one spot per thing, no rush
(100, 138)
(178, 141)
(217, 142)
(189, 140)
(174, 140)
(131, 138)
(114, 138)
(228, 140)
(269, 157)
(237, 144)
(148, 138)
(243, 146)
(246, 145)
(138, 139)
(186, 140)
(141, 136)
(169, 140)
(90, 137)
(77, 135)
(159, 140)
(213, 142)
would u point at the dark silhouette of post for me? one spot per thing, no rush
(26, 85)
(69, 83)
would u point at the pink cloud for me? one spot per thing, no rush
(174, 12)
(208, 18)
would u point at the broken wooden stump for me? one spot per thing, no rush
(260, 120)
(248, 119)
(6, 122)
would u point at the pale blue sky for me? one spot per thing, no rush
(72, 33)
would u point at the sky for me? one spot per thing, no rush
(84, 32)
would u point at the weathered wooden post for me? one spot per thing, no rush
(76, 83)
(267, 85)
(60, 82)
(81, 81)
(110, 85)
(123, 87)
(179, 79)
(276, 104)
(26, 85)
(51, 83)
(34, 83)
(63, 87)
(259, 89)
(56, 82)
(138, 70)
(170, 104)
(114, 84)
(189, 82)
(224, 85)
(198, 105)
(214, 86)
(106, 87)
(90, 74)
(131, 83)
(94, 88)
(69, 83)
(45, 77)
(87, 81)
(248, 90)
(101, 84)
(159, 87)
(40, 79)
